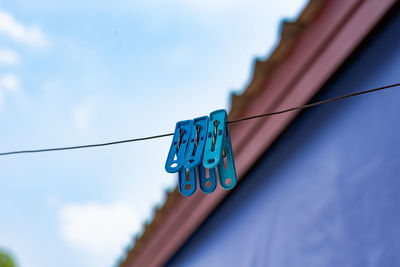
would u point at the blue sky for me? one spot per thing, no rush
(74, 72)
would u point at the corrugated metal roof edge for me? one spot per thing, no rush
(262, 69)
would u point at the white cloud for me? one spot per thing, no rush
(82, 115)
(104, 230)
(9, 82)
(8, 57)
(31, 35)
(52, 201)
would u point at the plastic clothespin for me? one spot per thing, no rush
(176, 155)
(218, 150)
(193, 163)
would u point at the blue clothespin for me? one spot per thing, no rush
(187, 181)
(176, 155)
(218, 150)
(194, 161)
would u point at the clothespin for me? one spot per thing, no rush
(176, 155)
(202, 148)
(193, 163)
(218, 150)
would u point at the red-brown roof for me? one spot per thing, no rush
(311, 49)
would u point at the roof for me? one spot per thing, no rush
(310, 50)
(290, 31)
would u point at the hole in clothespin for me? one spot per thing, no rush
(194, 151)
(197, 135)
(208, 184)
(180, 138)
(225, 159)
(207, 172)
(214, 140)
(190, 161)
(210, 161)
(174, 164)
(188, 186)
(187, 175)
(228, 181)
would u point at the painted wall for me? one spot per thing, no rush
(327, 193)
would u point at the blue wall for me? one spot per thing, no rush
(328, 191)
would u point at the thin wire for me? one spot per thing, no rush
(85, 146)
(315, 103)
(230, 122)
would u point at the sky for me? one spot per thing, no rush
(77, 72)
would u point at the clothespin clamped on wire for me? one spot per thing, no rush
(218, 151)
(176, 155)
(199, 149)
(194, 157)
